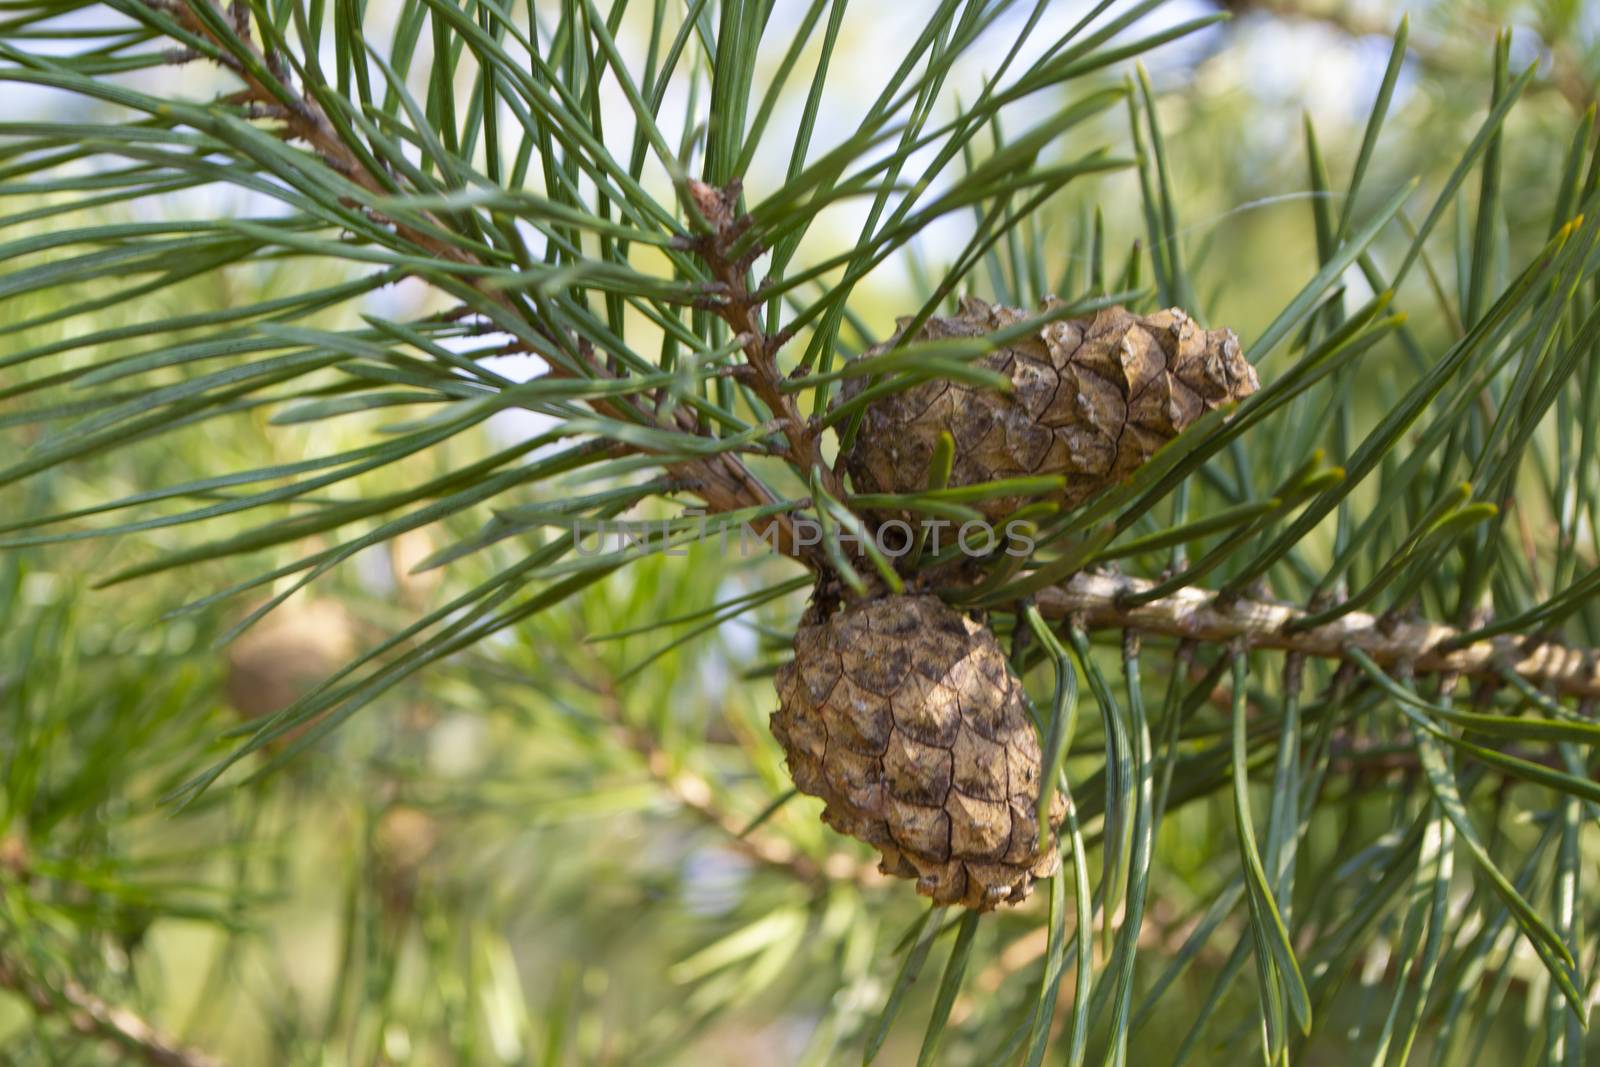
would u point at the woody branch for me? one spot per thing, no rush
(97, 1019)
(1429, 648)
(725, 483)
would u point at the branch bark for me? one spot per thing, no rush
(723, 481)
(742, 312)
(95, 1018)
(696, 795)
(1424, 646)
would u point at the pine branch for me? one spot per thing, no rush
(95, 1018)
(695, 794)
(1195, 614)
(301, 114)
(740, 309)
(399, 183)
(722, 481)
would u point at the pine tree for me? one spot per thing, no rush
(1364, 579)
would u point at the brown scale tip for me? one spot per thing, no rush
(903, 716)
(1092, 400)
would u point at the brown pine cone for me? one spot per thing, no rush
(1094, 399)
(903, 716)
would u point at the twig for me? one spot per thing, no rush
(1194, 614)
(694, 794)
(722, 481)
(95, 1018)
(742, 312)
(726, 484)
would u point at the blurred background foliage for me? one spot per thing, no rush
(537, 851)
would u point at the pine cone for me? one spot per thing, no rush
(1094, 399)
(903, 716)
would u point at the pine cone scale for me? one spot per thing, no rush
(1092, 399)
(948, 796)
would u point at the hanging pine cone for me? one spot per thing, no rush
(903, 716)
(1094, 398)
